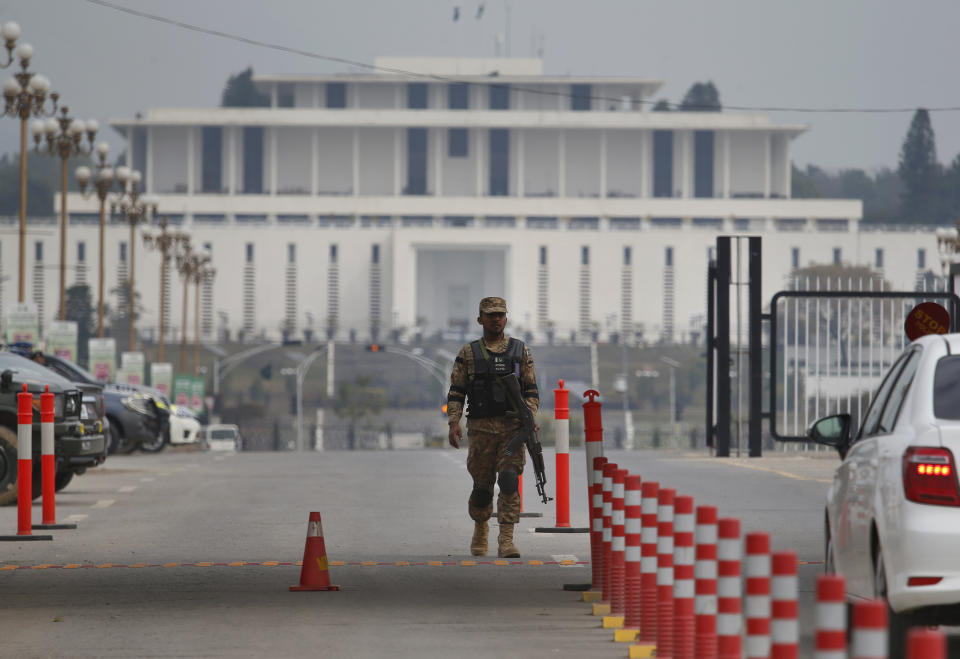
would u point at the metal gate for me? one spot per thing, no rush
(831, 341)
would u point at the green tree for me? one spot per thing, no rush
(920, 172)
(803, 185)
(663, 105)
(80, 310)
(356, 401)
(240, 92)
(118, 316)
(701, 97)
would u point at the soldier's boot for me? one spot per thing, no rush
(478, 545)
(506, 548)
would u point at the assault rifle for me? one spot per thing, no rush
(528, 434)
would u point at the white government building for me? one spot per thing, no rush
(366, 203)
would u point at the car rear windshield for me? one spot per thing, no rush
(222, 434)
(946, 388)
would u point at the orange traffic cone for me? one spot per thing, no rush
(315, 573)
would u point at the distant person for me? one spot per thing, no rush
(489, 428)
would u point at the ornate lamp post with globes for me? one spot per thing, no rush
(135, 208)
(64, 138)
(25, 96)
(169, 243)
(102, 185)
(203, 274)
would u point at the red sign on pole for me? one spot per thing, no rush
(926, 318)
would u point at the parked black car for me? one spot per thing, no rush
(138, 417)
(75, 448)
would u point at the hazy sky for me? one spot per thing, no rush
(759, 53)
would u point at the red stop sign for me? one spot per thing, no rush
(926, 318)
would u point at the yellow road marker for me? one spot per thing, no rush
(402, 563)
(536, 562)
(501, 563)
(643, 651)
(591, 596)
(270, 563)
(435, 563)
(71, 566)
(204, 564)
(468, 563)
(336, 563)
(171, 565)
(601, 609)
(625, 635)
(612, 622)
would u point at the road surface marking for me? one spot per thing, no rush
(778, 472)
(147, 479)
(127, 488)
(103, 503)
(77, 518)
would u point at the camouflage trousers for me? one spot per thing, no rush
(485, 459)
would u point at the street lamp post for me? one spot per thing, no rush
(64, 138)
(189, 264)
(203, 274)
(102, 185)
(136, 208)
(25, 95)
(169, 243)
(673, 364)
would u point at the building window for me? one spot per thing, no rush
(921, 259)
(336, 94)
(211, 176)
(668, 257)
(416, 161)
(208, 248)
(291, 253)
(499, 97)
(209, 218)
(625, 223)
(81, 251)
(836, 256)
(250, 219)
(375, 254)
(703, 163)
(499, 221)
(662, 163)
(458, 221)
(878, 258)
(543, 255)
(249, 252)
(458, 96)
(253, 159)
(584, 255)
(285, 95)
(499, 162)
(417, 96)
(38, 251)
(123, 252)
(627, 255)
(580, 97)
(584, 223)
(457, 141)
(333, 253)
(794, 257)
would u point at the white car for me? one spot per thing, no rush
(221, 437)
(184, 426)
(893, 509)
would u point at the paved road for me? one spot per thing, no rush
(383, 507)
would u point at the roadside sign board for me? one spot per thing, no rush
(161, 377)
(131, 368)
(23, 323)
(62, 339)
(103, 359)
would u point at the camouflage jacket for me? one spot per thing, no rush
(463, 369)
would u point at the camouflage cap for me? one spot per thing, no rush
(493, 305)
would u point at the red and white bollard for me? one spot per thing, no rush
(650, 492)
(684, 592)
(596, 526)
(24, 470)
(48, 465)
(633, 502)
(561, 430)
(665, 498)
(729, 618)
(617, 552)
(592, 429)
(926, 643)
(784, 628)
(608, 470)
(757, 600)
(831, 635)
(869, 637)
(705, 573)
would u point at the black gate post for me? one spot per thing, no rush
(723, 346)
(756, 347)
(710, 343)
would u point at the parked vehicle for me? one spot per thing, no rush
(184, 426)
(137, 416)
(221, 437)
(893, 509)
(75, 448)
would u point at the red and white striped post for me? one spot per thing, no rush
(757, 600)
(926, 643)
(607, 516)
(705, 573)
(633, 502)
(592, 430)
(650, 492)
(665, 499)
(831, 634)
(596, 527)
(617, 552)
(729, 618)
(48, 461)
(561, 430)
(869, 638)
(24, 461)
(684, 526)
(784, 628)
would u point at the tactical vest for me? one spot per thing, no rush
(485, 398)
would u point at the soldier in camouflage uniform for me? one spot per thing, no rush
(489, 428)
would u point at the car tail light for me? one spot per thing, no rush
(923, 581)
(929, 476)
